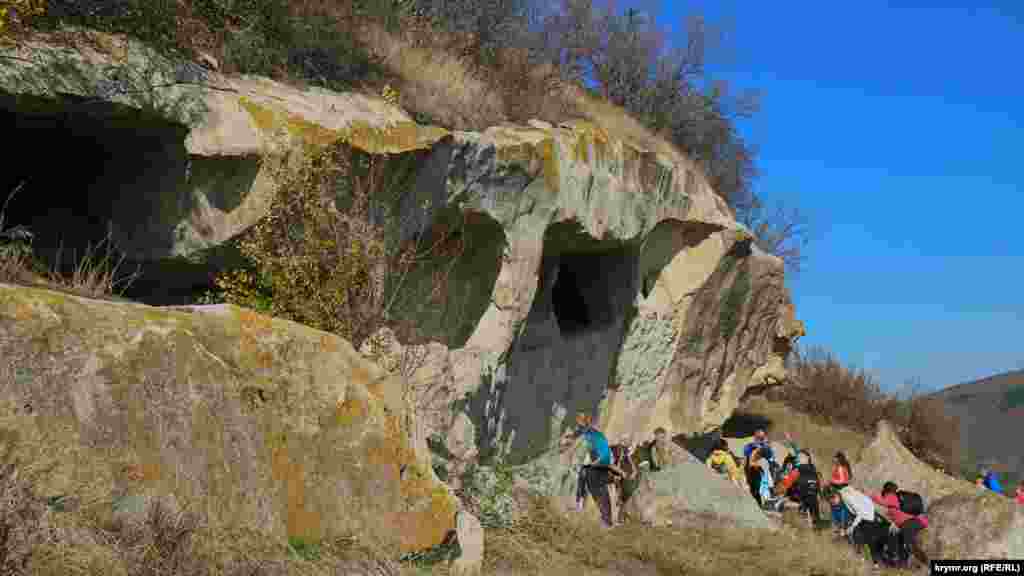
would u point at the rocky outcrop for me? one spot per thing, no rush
(250, 421)
(886, 459)
(687, 490)
(974, 524)
(599, 276)
(964, 520)
(682, 492)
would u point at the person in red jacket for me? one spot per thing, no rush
(904, 526)
(842, 473)
(1020, 492)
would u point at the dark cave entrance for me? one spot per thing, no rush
(567, 300)
(97, 175)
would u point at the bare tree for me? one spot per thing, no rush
(781, 231)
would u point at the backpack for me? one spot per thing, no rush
(808, 481)
(910, 503)
(621, 458)
(644, 453)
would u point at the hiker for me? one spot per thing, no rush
(626, 471)
(842, 473)
(807, 487)
(722, 461)
(789, 464)
(990, 480)
(653, 452)
(756, 474)
(802, 485)
(905, 512)
(594, 476)
(759, 466)
(1020, 492)
(867, 528)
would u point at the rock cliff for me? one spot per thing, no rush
(602, 273)
(247, 420)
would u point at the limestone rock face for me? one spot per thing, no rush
(248, 420)
(599, 275)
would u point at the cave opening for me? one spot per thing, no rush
(568, 302)
(87, 176)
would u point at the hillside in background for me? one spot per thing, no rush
(991, 413)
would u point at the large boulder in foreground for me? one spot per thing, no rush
(683, 490)
(249, 420)
(974, 524)
(686, 489)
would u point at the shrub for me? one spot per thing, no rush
(837, 394)
(330, 253)
(487, 492)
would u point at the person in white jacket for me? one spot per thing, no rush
(866, 527)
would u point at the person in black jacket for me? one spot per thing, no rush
(807, 487)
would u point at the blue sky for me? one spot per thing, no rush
(898, 128)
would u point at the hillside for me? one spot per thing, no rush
(991, 413)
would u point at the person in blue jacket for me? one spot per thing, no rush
(595, 476)
(991, 481)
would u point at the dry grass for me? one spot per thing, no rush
(810, 433)
(96, 274)
(544, 543)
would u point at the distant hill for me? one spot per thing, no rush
(991, 412)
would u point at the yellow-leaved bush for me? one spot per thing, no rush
(327, 254)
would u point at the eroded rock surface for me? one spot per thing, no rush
(599, 276)
(251, 421)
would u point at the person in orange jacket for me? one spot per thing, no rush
(842, 473)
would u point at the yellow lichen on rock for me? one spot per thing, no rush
(394, 138)
(172, 394)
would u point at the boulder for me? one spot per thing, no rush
(887, 459)
(470, 536)
(686, 489)
(245, 419)
(682, 490)
(974, 524)
(964, 520)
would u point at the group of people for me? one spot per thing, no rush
(886, 523)
(615, 466)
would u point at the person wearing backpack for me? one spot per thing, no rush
(905, 512)
(722, 462)
(595, 476)
(808, 485)
(651, 454)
